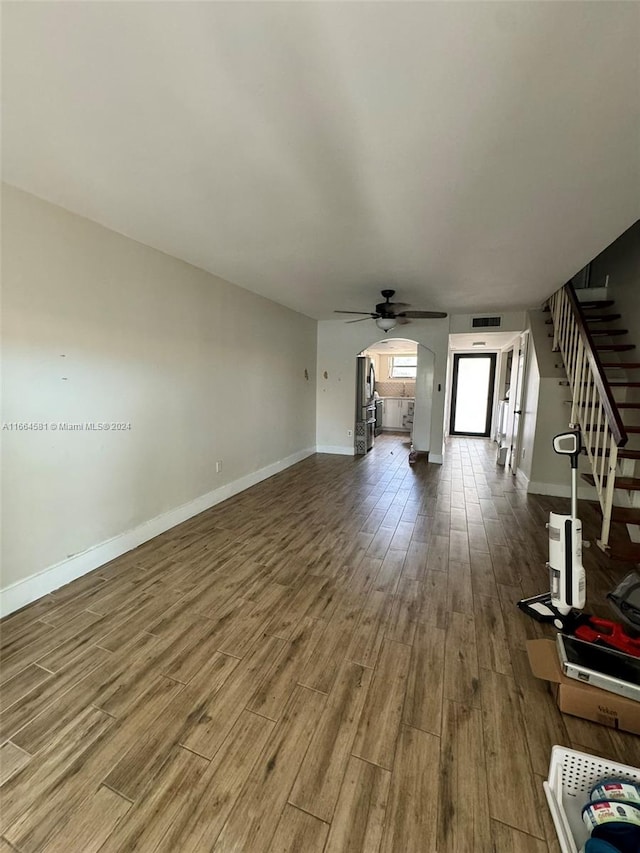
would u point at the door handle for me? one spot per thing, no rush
(518, 412)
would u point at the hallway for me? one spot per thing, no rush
(330, 661)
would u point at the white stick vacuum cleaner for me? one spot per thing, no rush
(567, 592)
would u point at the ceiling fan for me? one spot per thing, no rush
(390, 314)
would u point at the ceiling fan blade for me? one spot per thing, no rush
(423, 315)
(398, 306)
(401, 321)
(368, 313)
(360, 319)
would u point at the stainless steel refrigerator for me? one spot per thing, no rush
(365, 405)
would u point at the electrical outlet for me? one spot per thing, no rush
(218, 466)
(350, 433)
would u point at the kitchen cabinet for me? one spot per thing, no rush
(398, 413)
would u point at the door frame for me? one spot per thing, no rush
(515, 441)
(493, 356)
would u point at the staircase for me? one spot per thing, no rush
(603, 405)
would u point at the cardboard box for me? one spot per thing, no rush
(578, 699)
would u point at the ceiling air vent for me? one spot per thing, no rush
(485, 322)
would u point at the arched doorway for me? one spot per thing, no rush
(404, 377)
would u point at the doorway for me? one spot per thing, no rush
(472, 393)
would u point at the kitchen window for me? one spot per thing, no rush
(403, 366)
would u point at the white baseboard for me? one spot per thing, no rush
(436, 458)
(520, 475)
(30, 589)
(585, 493)
(336, 448)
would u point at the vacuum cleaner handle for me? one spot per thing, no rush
(569, 444)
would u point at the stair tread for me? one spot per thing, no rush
(612, 384)
(619, 405)
(627, 551)
(623, 514)
(615, 347)
(623, 453)
(631, 484)
(603, 318)
(621, 365)
(596, 303)
(627, 429)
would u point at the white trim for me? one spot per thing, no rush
(520, 475)
(25, 591)
(336, 448)
(585, 493)
(436, 458)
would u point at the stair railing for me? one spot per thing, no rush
(593, 408)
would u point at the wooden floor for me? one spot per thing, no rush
(330, 661)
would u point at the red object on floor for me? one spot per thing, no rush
(597, 630)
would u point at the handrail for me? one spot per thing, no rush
(616, 426)
(593, 407)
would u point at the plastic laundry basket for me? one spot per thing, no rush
(572, 774)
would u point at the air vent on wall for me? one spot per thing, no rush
(484, 322)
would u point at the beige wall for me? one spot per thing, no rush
(99, 328)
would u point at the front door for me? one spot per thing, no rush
(472, 393)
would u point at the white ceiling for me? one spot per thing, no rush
(471, 155)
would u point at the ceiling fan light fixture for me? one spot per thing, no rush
(385, 323)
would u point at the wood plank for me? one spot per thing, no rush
(297, 831)
(461, 677)
(358, 820)
(459, 592)
(88, 826)
(506, 838)
(247, 628)
(215, 794)
(254, 819)
(275, 689)
(187, 711)
(175, 792)
(405, 610)
(21, 684)
(438, 554)
(483, 581)
(322, 668)
(37, 701)
(412, 812)
(221, 710)
(515, 805)
(459, 546)
(33, 798)
(415, 562)
(477, 539)
(390, 572)
(491, 635)
(543, 727)
(463, 817)
(402, 536)
(12, 759)
(318, 783)
(382, 713)
(369, 633)
(433, 608)
(425, 682)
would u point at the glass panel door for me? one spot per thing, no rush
(472, 393)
